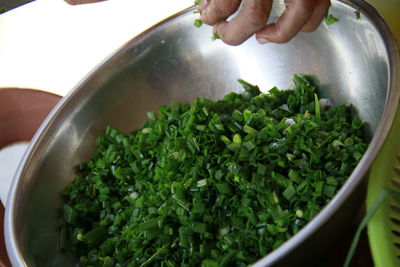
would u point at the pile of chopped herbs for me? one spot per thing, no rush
(210, 183)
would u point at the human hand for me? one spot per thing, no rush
(299, 15)
(78, 2)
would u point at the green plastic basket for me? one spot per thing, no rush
(384, 227)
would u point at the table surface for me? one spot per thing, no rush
(50, 45)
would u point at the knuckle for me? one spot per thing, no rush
(206, 19)
(225, 7)
(305, 6)
(219, 10)
(255, 18)
(255, 14)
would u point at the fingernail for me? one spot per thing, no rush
(204, 4)
(262, 40)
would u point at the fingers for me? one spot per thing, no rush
(251, 18)
(78, 2)
(214, 11)
(303, 15)
(204, 4)
(299, 15)
(320, 11)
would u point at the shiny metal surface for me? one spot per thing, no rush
(7, 5)
(354, 61)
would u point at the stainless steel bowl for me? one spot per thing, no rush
(354, 61)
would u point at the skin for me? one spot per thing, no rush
(79, 2)
(299, 16)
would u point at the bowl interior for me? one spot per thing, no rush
(176, 62)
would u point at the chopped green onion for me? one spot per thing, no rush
(211, 183)
(202, 182)
(330, 19)
(198, 23)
